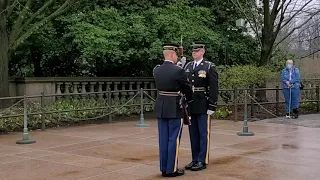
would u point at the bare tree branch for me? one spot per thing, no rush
(4, 6)
(11, 7)
(295, 14)
(44, 7)
(315, 24)
(62, 9)
(275, 10)
(302, 24)
(310, 54)
(19, 21)
(281, 19)
(266, 13)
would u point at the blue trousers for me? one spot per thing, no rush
(295, 95)
(199, 132)
(169, 140)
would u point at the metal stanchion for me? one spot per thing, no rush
(245, 131)
(25, 139)
(142, 122)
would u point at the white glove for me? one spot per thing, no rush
(182, 62)
(209, 112)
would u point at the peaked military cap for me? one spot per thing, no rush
(196, 45)
(171, 46)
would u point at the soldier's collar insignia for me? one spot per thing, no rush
(202, 74)
(187, 70)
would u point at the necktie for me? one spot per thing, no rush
(195, 65)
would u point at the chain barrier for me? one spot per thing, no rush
(149, 96)
(248, 95)
(93, 118)
(11, 106)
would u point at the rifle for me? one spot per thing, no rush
(183, 100)
(183, 60)
(184, 106)
(181, 48)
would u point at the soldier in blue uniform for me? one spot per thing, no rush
(204, 79)
(171, 81)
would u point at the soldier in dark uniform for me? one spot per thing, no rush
(171, 81)
(204, 79)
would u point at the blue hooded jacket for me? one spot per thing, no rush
(295, 78)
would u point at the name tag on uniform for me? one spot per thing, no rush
(202, 74)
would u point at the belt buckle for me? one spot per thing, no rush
(192, 88)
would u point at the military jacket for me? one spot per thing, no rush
(170, 78)
(204, 77)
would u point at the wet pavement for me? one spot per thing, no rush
(309, 120)
(122, 151)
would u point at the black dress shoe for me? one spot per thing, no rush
(199, 166)
(190, 165)
(179, 172)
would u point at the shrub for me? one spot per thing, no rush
(244, 76)
(309, 106)
(222, 113)
(58, 119)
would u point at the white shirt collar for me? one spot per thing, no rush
(198, 62)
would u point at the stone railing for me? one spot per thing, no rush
(78, 85)
(72, 85)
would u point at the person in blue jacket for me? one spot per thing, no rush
(290, 77)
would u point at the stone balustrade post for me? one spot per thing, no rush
(108, 88)
(123, 87)
(83, 89)
(92, 89)
(58, 90)
(116, 94)
(75, 89)
(131, 93)
(100, 95)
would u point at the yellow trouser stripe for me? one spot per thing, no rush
(208, 138)
(177, 148)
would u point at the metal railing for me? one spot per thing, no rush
(237, 92)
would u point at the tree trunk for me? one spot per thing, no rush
(265, 57)
(4, 61)
(36, 60)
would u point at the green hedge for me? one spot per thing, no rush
(65, 118)
(244, 76)
(68, 118)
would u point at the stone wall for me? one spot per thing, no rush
(70, 85)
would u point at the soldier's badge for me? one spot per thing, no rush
(202, 74)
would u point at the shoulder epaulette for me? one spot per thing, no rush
(179, 66)
(211, 64)
(155, 68)
(188, 64)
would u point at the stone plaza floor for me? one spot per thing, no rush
(122, 151)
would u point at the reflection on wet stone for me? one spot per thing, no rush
(121, 151)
